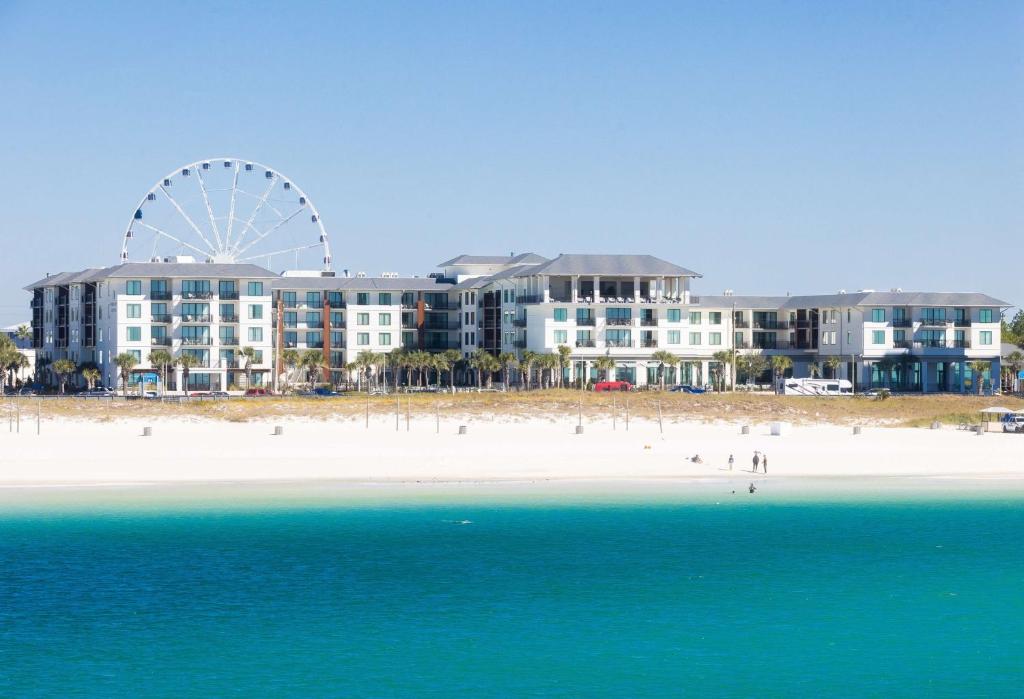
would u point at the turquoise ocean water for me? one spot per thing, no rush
(459, 595)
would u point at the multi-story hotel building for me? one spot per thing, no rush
(207, 311)
(627, 307)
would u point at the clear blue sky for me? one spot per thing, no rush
(774, 147)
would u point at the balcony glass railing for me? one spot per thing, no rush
(648, 321)
(197, 294)
(161, 318)
(232, 318)
(160, 295)
(619, 321)
(197, 341)
(586, 343)
(588, 320)
(160, 341)
(194, 318)
(229, 341)
(902, 323)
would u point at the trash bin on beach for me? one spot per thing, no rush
(776, 428)
(278, 430)
(745, 429)
(147, 431)
(856, 429)
(579, 429)
(462, 429)
(936, 425)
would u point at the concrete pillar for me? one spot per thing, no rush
(597, 287)
(636, 287)
(705, 371)
(960, 368)
(575, 288)
(925, 378)
(545, 282)
(661, 288)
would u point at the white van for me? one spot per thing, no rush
(817, 387)
(1014, 422)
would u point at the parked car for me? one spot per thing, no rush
(96, 393)
(686, 388)
(252, 392)
(1013, 422)
(612, 386)
(219, 394)
(324, 392)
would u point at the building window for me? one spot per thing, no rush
(985, 315)
(384, 339)
(255, 334)
(134, 310)
(673, 337)
(619, 314)
(362, 338)
(618, 338)
(255, 311)
(291, 319)
(314, 319)
(933, 315)
(694, 317)
(363, 299)
(291, 339)
(561, 337)
(362, 318)
(877, 337)
(288, 299)
(384, 319)
(674, 315)
(407, 340)
(384, 299)
(137, 354)
(714, 338)
(985, 337)
(313, 299)
(336, 299)
(561, 315)
(715, 317)
(133, 287)
(134, 334)
(158, 309)
(899, 336)
(337, 339)
(877, 315)
(255, 288)
(694, 338)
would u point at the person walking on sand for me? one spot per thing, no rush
(764, 463)
(730, 462)
(757, 460)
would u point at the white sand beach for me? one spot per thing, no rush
(70, 452)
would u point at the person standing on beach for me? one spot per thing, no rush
(757, 460)
(730, 462)
(764, 463)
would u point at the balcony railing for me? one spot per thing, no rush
(228, 295)
(337, 324)
(619, 321)
(588, 320)
(442, 306)
(649, 322)
(160, 295)
(443, 327)
(197, 294)
(586, 343)
(771, 324)
(519, 322)
(531, 298)
(962, 322)
(962, 344)
(229, 341)
(315, 345)
(902, 344)
(160, 341)
(930, 344)
(902, 323)
(934, 322)
(192, 318)
(618, 343)
(229, 318)
(161, 318)
(740, 324)
(648, 343)
(197, 341)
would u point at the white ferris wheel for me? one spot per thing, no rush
(228, 210)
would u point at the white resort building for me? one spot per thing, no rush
(625, 307)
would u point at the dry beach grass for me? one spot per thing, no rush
(901, 411)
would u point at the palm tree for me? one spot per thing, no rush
(978, 370)
(813, 370)
(450, 358)
(526, 362)
(664, 357)
(564, 353)
(23, 332)
(63, 368)
(161, 359)
(780, 364)
(604, 365)
(507, 360)
(250, 356)
(833, 363)
(91, 376)
(396, 358)
(290, 358)
(1014, 362)
(753, 365)
(885, 366)
(125, 362)
(14, 364)
(310, 361)
(548, 363)
(186, 362)
(724, 359)
(484, 363)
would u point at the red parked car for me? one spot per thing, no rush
(613, 386)
(259, 392)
